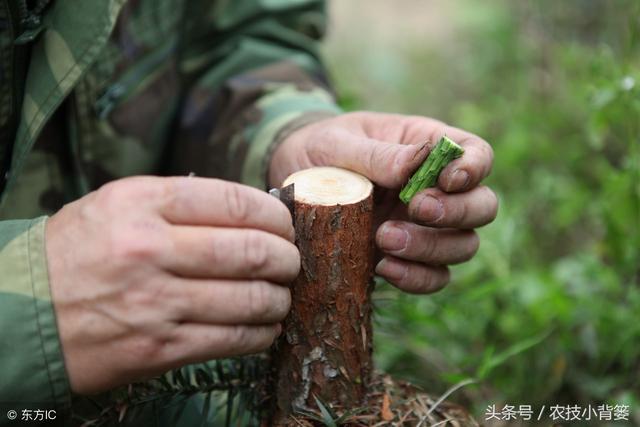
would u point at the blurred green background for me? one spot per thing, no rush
(549, 310)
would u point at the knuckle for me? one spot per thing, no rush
(427, 280)
(282, 220)
(442, 279)
(320, 152)
(238, 202)
(296, 262)
(256, 253)
(402, 172)
(110, 193)
(371, 159)
(460, 213)
(141, 297)
(322, 147)
(147, 347)
(280, 302)
(286, 218)
(473, 244)
(414, 281)
(259, 301)
(265, 338)
(290, 231)
(401, 164)
(88, 210)
(174, 301)
(126, 191)
(381, 156)
(170, 194)
(434, 280)
(132, 246)
(289, 263)
(428, 247)
(244, 339)
(239, 339)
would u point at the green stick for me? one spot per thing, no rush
(427, 174)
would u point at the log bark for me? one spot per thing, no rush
(325, 350)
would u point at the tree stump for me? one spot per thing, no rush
(325, 351)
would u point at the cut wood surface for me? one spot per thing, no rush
(325, 349)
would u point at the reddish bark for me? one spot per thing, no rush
(325, 349)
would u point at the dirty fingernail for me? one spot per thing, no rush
(430, 209)
(393, 238)
(391, 270)
(458, 180)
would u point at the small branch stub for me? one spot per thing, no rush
(325, 349)
(427, 174)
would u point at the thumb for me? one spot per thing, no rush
(387, 164)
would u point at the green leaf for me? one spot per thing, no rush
(517, 348)
(206, 407)
(327, 414)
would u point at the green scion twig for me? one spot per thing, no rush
(427, 174)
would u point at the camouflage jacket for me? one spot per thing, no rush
(94, 90)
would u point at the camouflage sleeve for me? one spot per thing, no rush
(254, 75)
(32, 367)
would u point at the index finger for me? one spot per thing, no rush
(467, 171)
(214, 202)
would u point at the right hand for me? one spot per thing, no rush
(148, 274)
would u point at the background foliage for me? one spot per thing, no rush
(549, 311)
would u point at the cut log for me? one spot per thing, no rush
(325, 349)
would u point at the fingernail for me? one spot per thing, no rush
(391, 270)
(393, 238)
(419, 148)
(430, 209)
(458, 180)
(278, 329)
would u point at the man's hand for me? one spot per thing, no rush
(148, 274)
(417, 243)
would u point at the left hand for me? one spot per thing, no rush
(416, 243)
